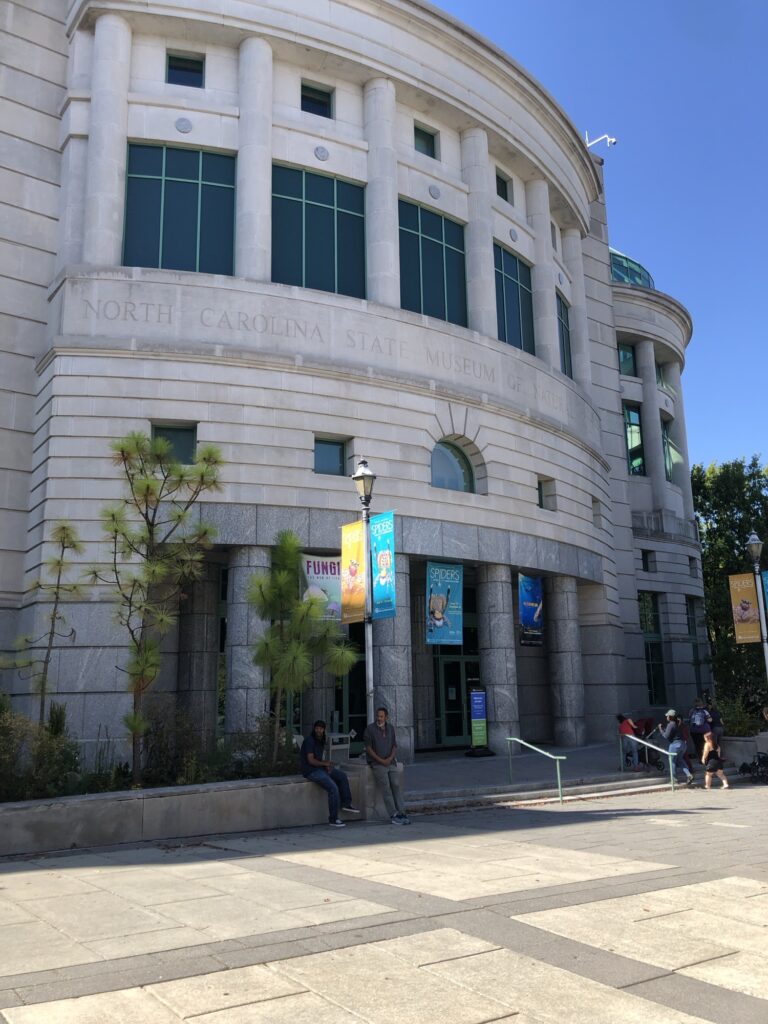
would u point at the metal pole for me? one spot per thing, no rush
(671, 758)
(559, 782)
(761, 609)
(369, 709)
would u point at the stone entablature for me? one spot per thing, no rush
(644, 313)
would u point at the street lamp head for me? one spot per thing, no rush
(754, 547)
(364, 480)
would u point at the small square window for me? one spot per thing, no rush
(186, 69)
(183, 441)
(330, 457)
(504, 188)
(425, 141)
(627, 363)
(546, 493)
(648, 561)
(316, 100)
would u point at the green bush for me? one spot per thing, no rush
(36, 763)
(738, 716)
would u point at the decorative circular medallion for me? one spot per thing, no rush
(321, 153)
(183, 125)
(513, 234)
(434, 191)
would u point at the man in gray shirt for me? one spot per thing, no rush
(380, 745)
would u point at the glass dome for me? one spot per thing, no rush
(625, 270)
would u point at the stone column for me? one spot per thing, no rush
(478, 235)
(382, 253)
(650, 418)
(253, 213)
(74, 160)
(199, 652)
(107, 146)
(577, 315)
(678, 433)
(543, 274)
(247, 696)
(392, 676)
(498, 662)
(563, 639)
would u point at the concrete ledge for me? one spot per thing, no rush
(105, 819)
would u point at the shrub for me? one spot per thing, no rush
(738, 716)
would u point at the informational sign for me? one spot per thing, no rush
(353, 579)
(444, 603)
(478, 717)
(383, 565)
(322, 580)
(746, 612)
(529, 592)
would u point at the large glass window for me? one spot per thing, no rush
(691, 610)
(650, 623)
(633, 433)
(179, 209)
(667, 447)
(318, 232)
(627, 363)
(514, 300)
(451, 469)
(564, 334)
(432, 273)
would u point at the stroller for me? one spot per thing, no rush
(646, 728)
(757, 769)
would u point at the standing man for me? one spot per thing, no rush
(380, 745)
(333, 780)
(699, 724)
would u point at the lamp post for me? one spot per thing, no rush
(364, 480)
(755, 549)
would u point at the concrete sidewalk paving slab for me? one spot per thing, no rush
(148, 886)
(740, 972)
(303, 1008)
(197, 996)
(97, 915)
(107, 1008)
(38, 943)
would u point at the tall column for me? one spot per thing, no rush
(577, 317)
(682, 476)
(74, 161)
(247, 697)
(543, 274)
(382, 253)
(393, 678)
(498, 662)
(107, 134)
(253, 198)
(653, 451)
(563, 637)
(478, 235)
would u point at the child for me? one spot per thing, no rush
(713, 763)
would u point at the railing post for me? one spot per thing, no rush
(559, 782)
(672, 763)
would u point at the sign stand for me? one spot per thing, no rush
(477, 710)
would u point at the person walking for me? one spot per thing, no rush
(325, 773)
(718, 725)
(712, 761)
(699, 723)
(380, 744)
(628, 745)
(672, 733)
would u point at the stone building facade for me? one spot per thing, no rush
(310, 233)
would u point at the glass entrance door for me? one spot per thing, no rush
(453, 700)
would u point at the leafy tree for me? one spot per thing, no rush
(64, 536)
(298, 633)
(731, 499)
(157, 549)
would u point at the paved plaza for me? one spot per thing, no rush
(643, 907)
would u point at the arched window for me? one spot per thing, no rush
(451, 469)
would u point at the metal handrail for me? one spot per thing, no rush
(667, 753)
(557, 758)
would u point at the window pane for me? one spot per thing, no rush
(526, 317)
(454, 234)
(509, 264)
(183, 441)
(180, 226)
(456, 287)
(410, 274)
(409, 215)
(501, 187)
(316, 101)
(451, 469)
(501, 327)
(432, 225)
(142, 223)
(512, 304)
(329, 457)
(320, 248)
(497, 256)
(185, 71)
(287, 241)
(217, 228)
(286, 181)
(145, 160)
(433, 284)
(219, 168)
(524, 274)
(182, 163)
(318, 189)
(424, 142)
(351, 254)
(349, 197)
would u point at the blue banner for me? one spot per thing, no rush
(383, 566)
(531, 610)
(478, 717)
(444, 603)
(764, 575)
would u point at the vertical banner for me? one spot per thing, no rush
(764, 577)
(529, 592)
(444, 603)
(746, 614)
(478, 717)
(383, 566)
(353, 579)
(322, 580)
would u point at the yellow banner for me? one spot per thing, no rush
(746, 614)
(353, 573)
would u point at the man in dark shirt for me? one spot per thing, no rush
(380, 745)
(333, 780)
(699, 724)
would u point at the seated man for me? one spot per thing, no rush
(380, 745)
(333, 780)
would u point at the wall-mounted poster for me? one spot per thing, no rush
(383, 566)
(444, 603)
(322, 580)
(531, 610)
(746, 612)
(353, 579)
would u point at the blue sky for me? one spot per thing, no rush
(683, 86)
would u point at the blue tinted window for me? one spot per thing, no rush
(514, 302)
(432, 266)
